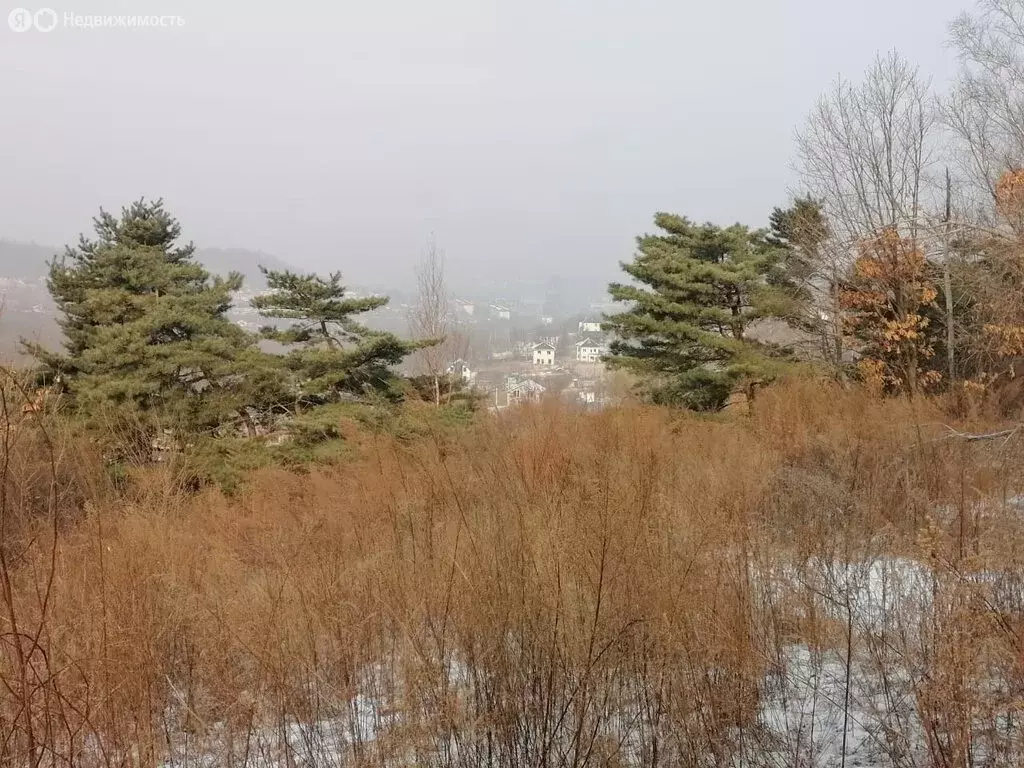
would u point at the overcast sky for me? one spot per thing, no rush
(532, 136)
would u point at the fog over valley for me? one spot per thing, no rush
(512, 383)
(532, 138)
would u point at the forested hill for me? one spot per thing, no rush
(24, 261)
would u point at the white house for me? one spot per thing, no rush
(590, 350)
(590, 326)
(544, 353)
(461, 369)
(501, 311)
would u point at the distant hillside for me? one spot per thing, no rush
(26, 310)
(24, 261)
(27, 262)
(222, 261)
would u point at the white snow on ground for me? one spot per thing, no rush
(818, 708)
(823, 705)
(806, 711)
(872, 592)
(326, 743)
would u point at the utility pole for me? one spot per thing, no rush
(948, 283)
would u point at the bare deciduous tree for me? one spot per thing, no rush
(865, 154)
(985, 115)
(985, 110)
(431, 318)
(866, 150)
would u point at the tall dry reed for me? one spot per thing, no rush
(544, 588)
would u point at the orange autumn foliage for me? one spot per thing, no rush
(1003, 333)
(884, 299)
(1008, 339)
(1010, 196)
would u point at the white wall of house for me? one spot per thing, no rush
(590, 326)
(589, 352)
(544, 356)
(461, 368)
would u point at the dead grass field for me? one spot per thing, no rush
(830, 580)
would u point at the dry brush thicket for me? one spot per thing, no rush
(830, 580)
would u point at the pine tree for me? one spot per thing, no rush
(331, 352)
(802, 230)
(686, 332)
(147, 336)
(817, 265)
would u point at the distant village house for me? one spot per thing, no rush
(544, 353)
(590, 350)
(520, 390)
(460, 369)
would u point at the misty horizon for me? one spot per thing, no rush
(530, 139)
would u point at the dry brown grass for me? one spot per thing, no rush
(545, 588)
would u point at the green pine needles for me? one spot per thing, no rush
(149, 344)
(698, 290)
(146, 327)
(330, 353)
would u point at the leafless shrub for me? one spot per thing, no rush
(827, 577)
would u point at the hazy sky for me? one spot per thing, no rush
(532, 136)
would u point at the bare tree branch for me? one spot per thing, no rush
(432, 319)
(865, 154)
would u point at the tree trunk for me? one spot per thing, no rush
(910, 365)
(250, 426)
(837, 327)
(947, 282)
(752, 389)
